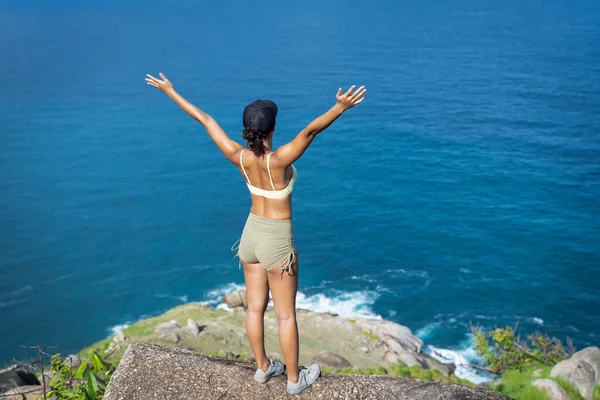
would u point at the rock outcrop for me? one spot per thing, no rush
(579, 373)
(400, 346)
(590, 355)
(14, 377)
(552, 389)
(326, 358)
(155, 372)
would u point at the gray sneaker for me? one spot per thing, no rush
(276, 368)
(306, 377)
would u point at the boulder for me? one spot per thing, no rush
(193, 327)
(552, 389)
(579, 373)
(15, 376)
(236, 299)
(74, 361)
(155, 372)
(170, 336)
(167, 326)
(119, 337)
(401, 346)
(393, 333)
(30, 392)
(537, 373)
(590, 355)
(331, 360)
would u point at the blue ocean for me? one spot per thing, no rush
(464, 190)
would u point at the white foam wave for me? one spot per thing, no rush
(345, 304)
(427, 331)
(183, 299)
(537, 320)
(118, 328)
(215, 296)
(363, 278)
(463, 357)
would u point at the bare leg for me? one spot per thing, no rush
(257, 288)
(283, 290)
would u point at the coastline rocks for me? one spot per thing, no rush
(167, 326)
(30, 392)
(579, 373)
(401, 346)
(331, 360)
(74, 361)
(236, 299)
(590, 355)
(120, 337)
(170, 336)
(13, 377)
(193, 327)
(552, 389)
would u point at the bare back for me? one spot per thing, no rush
(257, 172)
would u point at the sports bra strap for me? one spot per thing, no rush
(244, 169)
(269, 169)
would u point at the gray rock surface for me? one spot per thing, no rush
(401, 346)
(119, 337)
(590, 355)
(193, 327)
(167, 326)
(13, 377)
(155, 372)
(73, 360)
(579, 373)
(31, 392)
(552, 389)
(326, 358)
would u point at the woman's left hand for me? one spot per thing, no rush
(164, 85)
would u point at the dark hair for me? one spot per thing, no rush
(255, 140)
(258, 121)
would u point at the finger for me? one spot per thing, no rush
(153, 78)
(350, 90)
(359, 92)
(163, 76)
(150, 81)
(359, 100)
(152, 84)
(339, 93)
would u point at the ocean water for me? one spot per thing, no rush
(465, 190)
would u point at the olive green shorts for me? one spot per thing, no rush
(267, 241)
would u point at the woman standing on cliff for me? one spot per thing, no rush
(266, 248)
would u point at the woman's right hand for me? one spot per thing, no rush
(163, 85)
(351, 97)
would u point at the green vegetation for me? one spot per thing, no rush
(503, 349)
(87, 382)
(370, 335)
(516, 359)
(517, 384)
(401, 371)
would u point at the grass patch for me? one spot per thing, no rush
(401, 371)
(352, 321)
(370, 335)
(517, 384)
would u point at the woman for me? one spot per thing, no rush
(266, 248)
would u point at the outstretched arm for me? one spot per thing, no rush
(229, 147)
(288, 153)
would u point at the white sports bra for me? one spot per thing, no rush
(270, 194)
